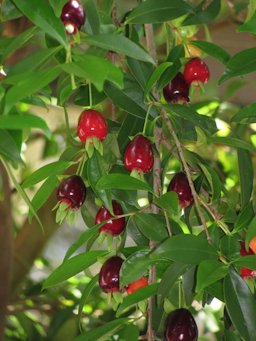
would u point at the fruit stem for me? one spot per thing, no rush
(90, 94)
(187, 171)
(146, 120)
(68, 61)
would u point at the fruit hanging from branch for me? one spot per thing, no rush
(177, 90)
(195, 71)
(109, 275)
(136, 285)
(180, 185)
(73, 16)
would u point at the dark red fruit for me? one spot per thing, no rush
(72, 191)
(196, 71)
(114, 227)
(73, 16)
(91, 124)
(180, 325)
(139, 155)
(109, 275)
(245, 272)
(180, 185)
(136, 285)
(177, 90)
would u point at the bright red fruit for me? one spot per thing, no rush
(177, 90)
(180, 325)
(114, 227)
(73, 16)
(136, 285)
(245, 272)
(72, 191)
(139, 155)
(109, 274)
(91, 124)
(196, 71)
(180, 185)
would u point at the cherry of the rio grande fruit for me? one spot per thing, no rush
(109, 275)
(91, 124)
(180, 325)
(73, 16)
(139, 155)
(72, 191)
(245, 272)
(196, 71)
(180, 185)
(136, 285)
(114, 227)
(177, 90)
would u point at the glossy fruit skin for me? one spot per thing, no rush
(136, 285)
(114, 227)
(245, 272)
(196, 71)
(139, 155)
(72, 191)
(252, 244)
(73, 16)
(180, 326)
(177, 90)
(91, 124)
(109, 275)
(180, 185)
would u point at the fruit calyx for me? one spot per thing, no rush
(136, 285)
(109, 275)
(138, 155)
(245, 272)
(73, 16)
(195, 71)
(180, 185)
(177, 91)
(180, 325)
(113, 226)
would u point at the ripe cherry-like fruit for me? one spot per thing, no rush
(245, 272)
(177, 90)
(196, 71)
(109, 275)
(91, 124)
(252, 244)
(73, 16)
(180, 325)
(72, 191)
(114, 227)
(180, 185)
(136, 285)
(139, 155)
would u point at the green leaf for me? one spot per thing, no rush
(209, 272)
(151, 11)
(92, 16)
(240, 64)
(83, 238)
(8, 148)
(169, 278)
(151, 226)
(57, 6)
(29, 84)
(211, 49)
(214, 181)
(136, 297)
(248, 26)
(170, 203)
(8, 11)
(119, 44)
(53, 168)
(141, 71)
(246, 175)
(86, 293)
(246, 115)
(42, 15)
(134, 267)
(203, 15)
(244, 218)
(185, 248)
(155, 76)
(24, 121)
(103, 333)
(232, 142)
(241, 305)
(130, 332)
(122, 181)
(43, 193)
(246, 261)
(72, 267)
